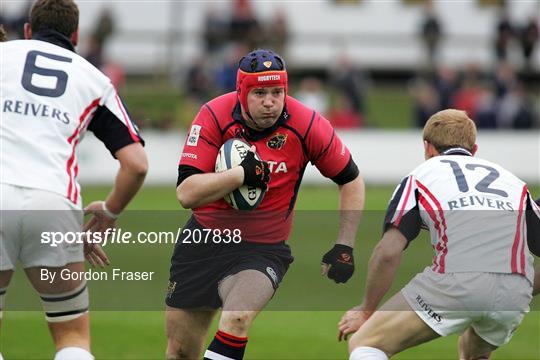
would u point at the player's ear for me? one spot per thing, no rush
(429, 150)
(27, 31)
(75, 37)
(426, 150)
(474, 149)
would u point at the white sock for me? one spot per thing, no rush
(1, 358)
(73, 353)
(367, 353)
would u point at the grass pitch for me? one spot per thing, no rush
(296, 327)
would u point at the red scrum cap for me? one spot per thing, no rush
(259, 68)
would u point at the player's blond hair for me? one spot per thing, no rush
(450, 128)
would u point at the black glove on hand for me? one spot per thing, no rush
(256, 172)
(341, 262)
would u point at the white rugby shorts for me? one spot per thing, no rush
(493, 304)
(25, 215)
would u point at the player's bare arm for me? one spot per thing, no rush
(382, 269)
(351, 203)
(536, 286)
(129, 179)
(533, 228)
(338, 263)
(202, 189)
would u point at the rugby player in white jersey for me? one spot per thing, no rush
(50, 96)
(482, 222)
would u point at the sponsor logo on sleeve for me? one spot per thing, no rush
(194, 134)
(189, 155)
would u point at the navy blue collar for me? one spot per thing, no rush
(54, 37)
(457, 151)
(252, 134)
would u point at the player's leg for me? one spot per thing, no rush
(65, 303)
(186, 331)
(473, 347)
(510, 299)
(390, 330)
(10, 236)
(5, 277)
(244, 295)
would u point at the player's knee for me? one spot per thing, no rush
(73, 353)
(480, 357)
(366, 352)
(236, 322)
(67, 306)
(361, 339)
(176, 350)
(2, 299)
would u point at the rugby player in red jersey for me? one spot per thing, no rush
(241, 279)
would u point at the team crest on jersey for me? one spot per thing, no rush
(267, 64)
(277, 141)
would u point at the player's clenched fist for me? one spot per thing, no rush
(256, 172)
(338, 263)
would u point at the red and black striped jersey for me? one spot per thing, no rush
(300, 136)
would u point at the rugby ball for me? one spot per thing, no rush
(231, 154)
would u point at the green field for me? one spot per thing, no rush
(155, 104)
(127, 321)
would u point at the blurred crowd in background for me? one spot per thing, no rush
(496, 97)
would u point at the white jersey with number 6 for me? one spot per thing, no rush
(49, 97)
(474, 210)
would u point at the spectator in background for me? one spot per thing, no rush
(486, 109)
(244, 26)
(446, 84)
(313, 95)
(504, 35)
(350, 82)
(3, 34)
(277, 32)
(529, 37)
(343, 116)
(467, 97)
(226, 74)
(14, 26)
(103, 29)
(216, 31)
(504, 79)
(198, 81)
(514, 110)
(431, 33)
(427, 101)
